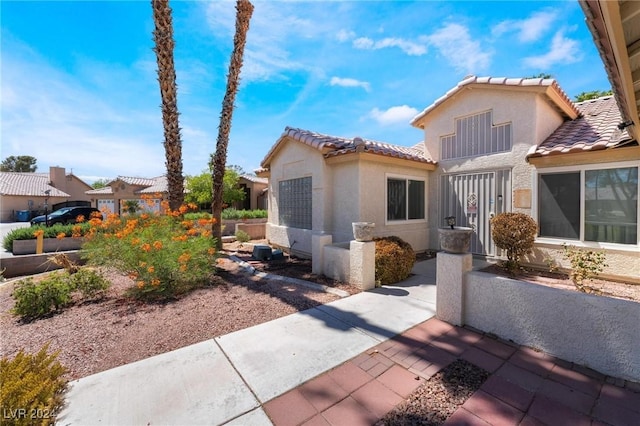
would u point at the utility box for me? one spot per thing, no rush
(261, 252)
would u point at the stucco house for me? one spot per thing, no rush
(113, 197)
(255, 193)
(490, 145)
(30, 192)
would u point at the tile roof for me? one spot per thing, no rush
(333, 146)
(595, 129)
(151, 185)
(545, 83)
(28, 184)
(159, 185)
(137, 181)
(255, 179)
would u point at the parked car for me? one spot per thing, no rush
(65, 215)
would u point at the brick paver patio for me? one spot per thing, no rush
(525, 387)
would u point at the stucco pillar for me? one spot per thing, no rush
(362, 268)
(318, 241)
(451, 273)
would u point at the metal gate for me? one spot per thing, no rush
(473, 199)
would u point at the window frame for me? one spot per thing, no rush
(406, 178)
(582, 169)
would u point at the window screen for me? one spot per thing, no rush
(405, 199)
(559, 201)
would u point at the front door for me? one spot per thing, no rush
(473, 199)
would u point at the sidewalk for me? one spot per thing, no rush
(346, 363)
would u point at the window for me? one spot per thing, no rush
(294, 203)
(405, 199)
(598, 205)
(559, 203)
(476, 135)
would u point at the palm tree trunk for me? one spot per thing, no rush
(244, 10)
(164, 44)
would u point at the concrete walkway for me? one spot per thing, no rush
(228, 378)
(348, 363)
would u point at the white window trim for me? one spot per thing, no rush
(388, 176)
(580, 242)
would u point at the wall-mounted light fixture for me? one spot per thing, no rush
(625, 124)
(500, 198)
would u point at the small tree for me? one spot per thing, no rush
(199, 188)
(514, 233)
(594, 94)
(21, 163)
(100, 183)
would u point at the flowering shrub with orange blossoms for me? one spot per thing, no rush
(164, 254)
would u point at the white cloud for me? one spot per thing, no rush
(274, 30)
(345, 35)
(456, 45)
(530, 29)
(563, 50)
(409, 47)
(394, 115)
(349, 82)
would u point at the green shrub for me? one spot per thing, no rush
(514, 233)
(89, 283)
(37, 299)
(54, 231)
(33, 388)
(585, 264)
(166, 255)
(234, 214)
(242, 236)
(394, 260)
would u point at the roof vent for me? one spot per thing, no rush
(359, 143)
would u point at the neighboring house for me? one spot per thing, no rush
(491, 145)
(255, 193)
(148, 193)
(21, 191)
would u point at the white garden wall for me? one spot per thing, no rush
(599, 332)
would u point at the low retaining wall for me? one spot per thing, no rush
(595, 331)
(229, 226)
(336, 262)
(21, 247)
(256, 231)
(31, 264)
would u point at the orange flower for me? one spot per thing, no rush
(188, 224)
(80, 219)
(61, 235)
(38, 233)
(135, 241)
(206, 233)
(211, 251)
(151, 269)
(183, 268)
(146, 247)
(184, 258)
(142, 264)
(183, 209)
(192, 232)
(155, 282)
(140, 284)
(144, 216)
(180, 238)
(192, 206)
(157, 245)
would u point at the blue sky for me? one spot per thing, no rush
(79, 88)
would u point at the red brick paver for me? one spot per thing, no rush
(525, 387)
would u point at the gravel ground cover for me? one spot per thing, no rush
(439, 397)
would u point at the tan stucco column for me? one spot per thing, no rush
(318, 242)
(451, 271)
(362, 267)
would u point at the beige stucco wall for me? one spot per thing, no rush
(297, 160)
(346, 189)
(12, 203)
(598, 332)
(532, 120)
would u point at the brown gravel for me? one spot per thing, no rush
(559, 280)
(438, 398)
(115, 330)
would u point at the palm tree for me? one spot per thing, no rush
(244, 10)
(164, 44)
